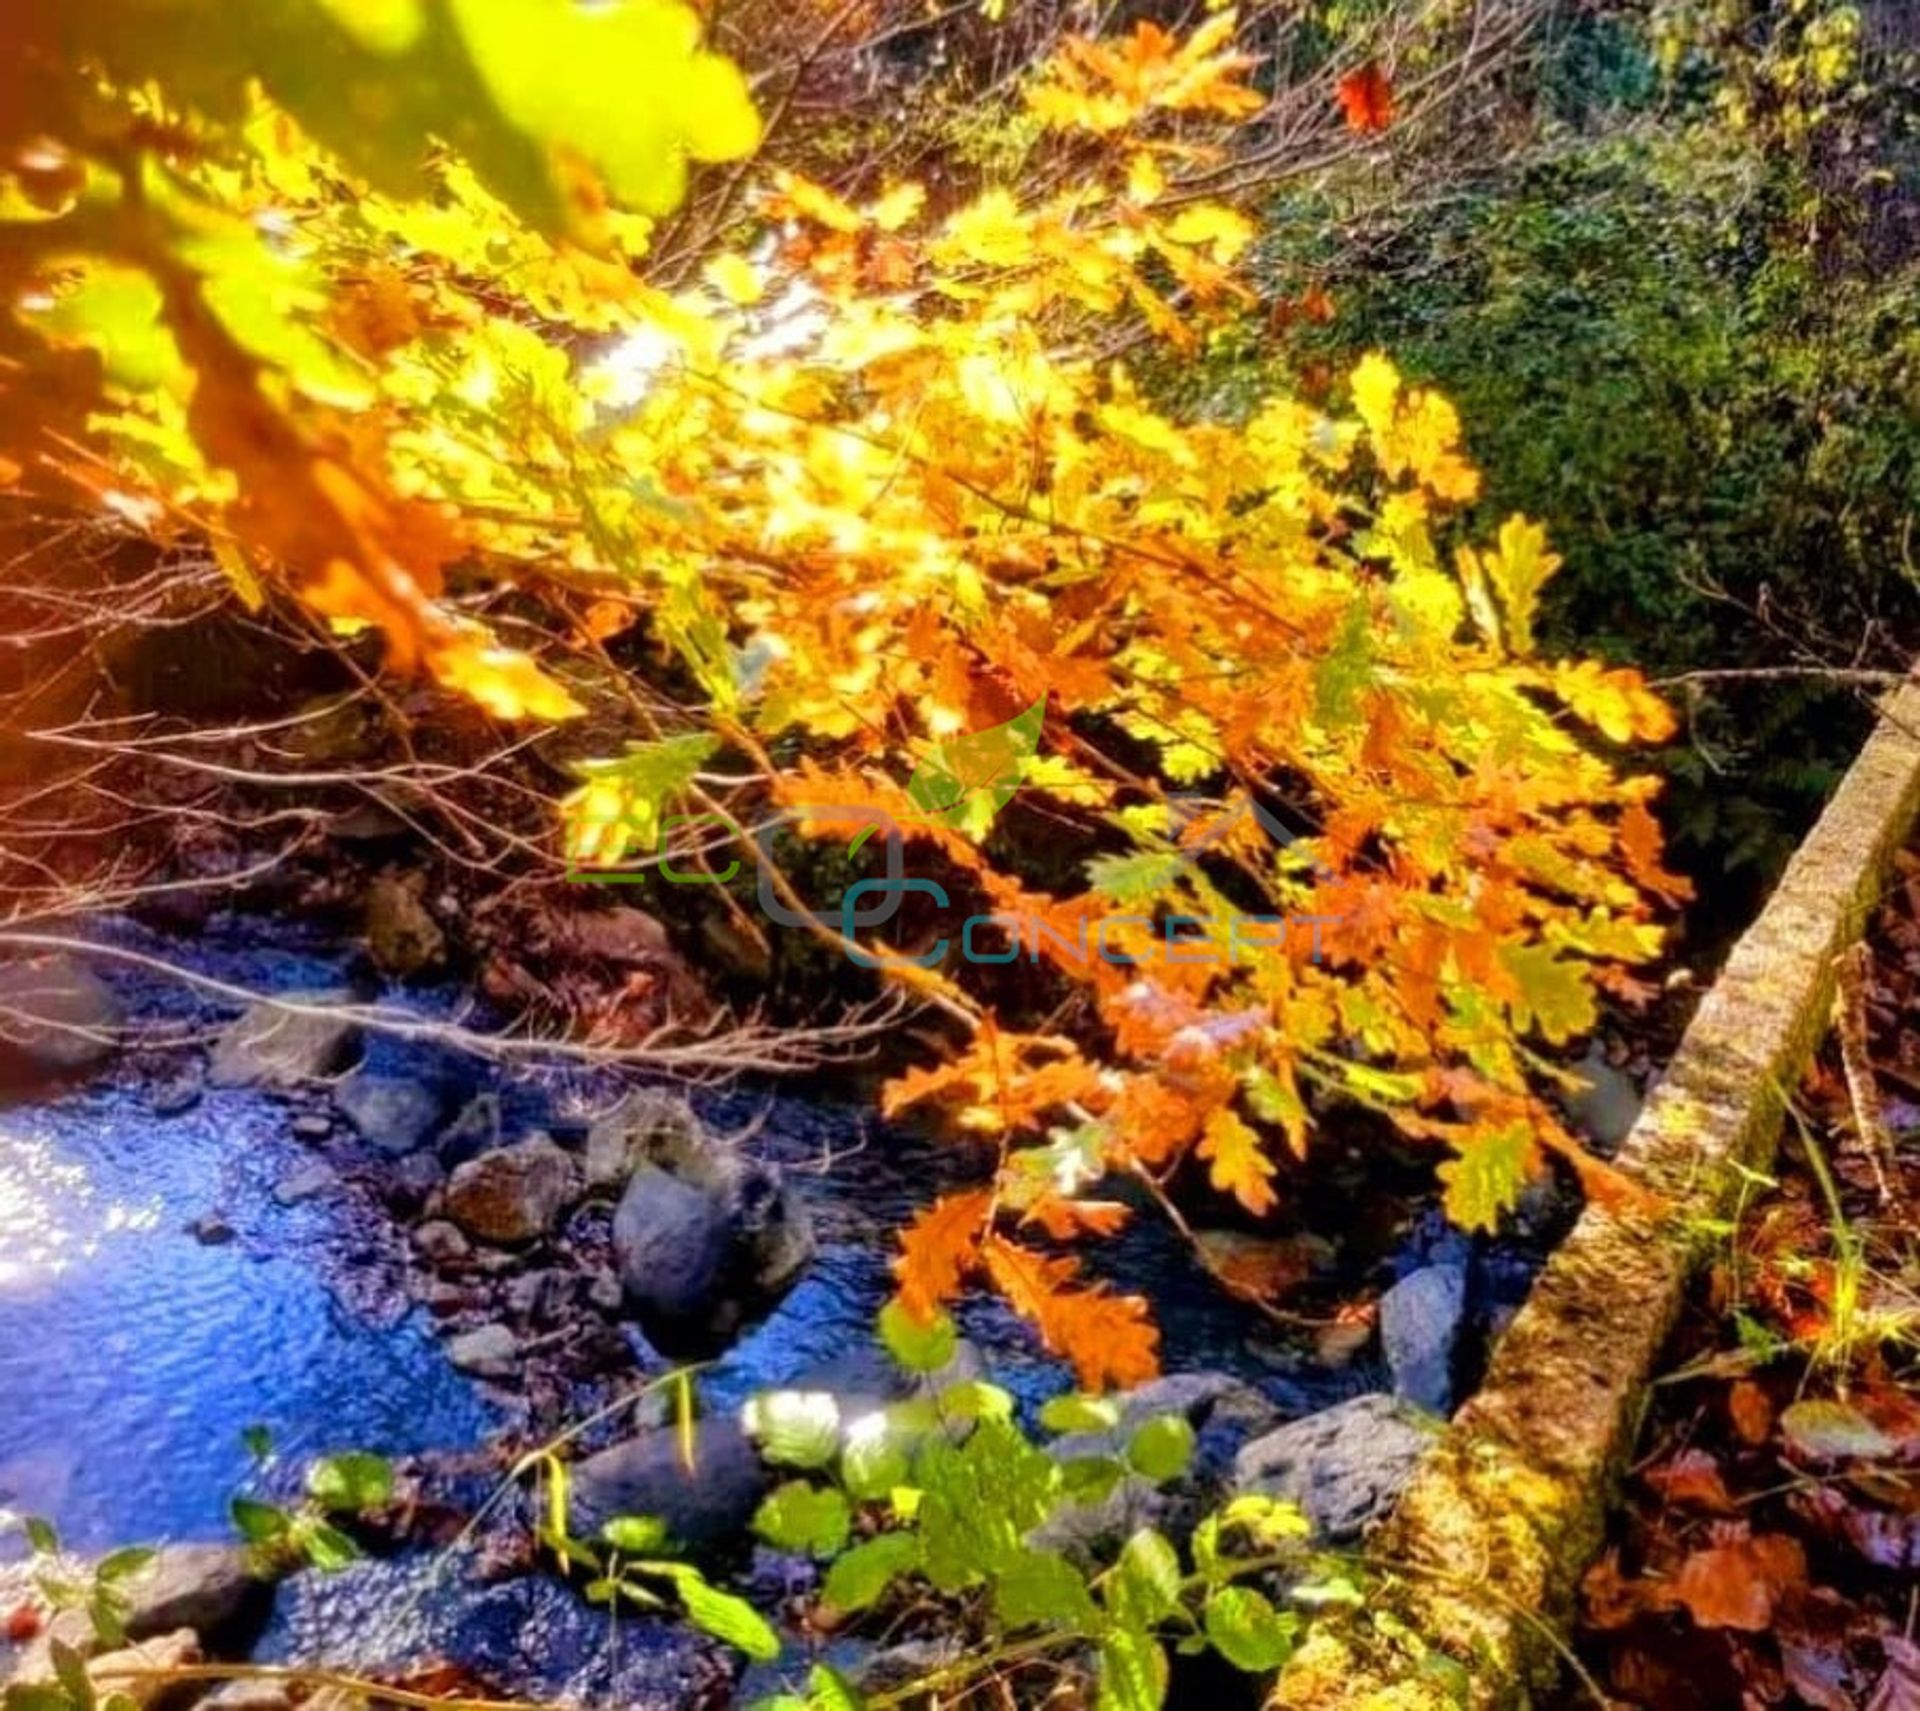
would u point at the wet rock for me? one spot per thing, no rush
(490, 1351)
(440, 1243)
(305, 1181)
(706, 1510)
(1608, 1104)
(1420, 1320)
(1093, 1531)
(311, 1126)
(1207, 1401)
(180, 1091)
(210, 1230)
(1345, 1466)
(445, 1300)
(536, 1296)
(393, 1114)
(704, 1241)
(57, 1017)
(123, 1672)
(209, 1588)
(474, 1131)
(274, 1047)
(251, 1693)
(604, 1292)
(403, 938)
(643, 1128)
(513, 1194)
(411, 1183)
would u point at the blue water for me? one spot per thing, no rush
(132, 1357)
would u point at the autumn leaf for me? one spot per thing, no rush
(1238, 1162)
(1366, 98)
(1108, 1338)
(1617, 703)
(938, 1249)
(1739, 1584)
(1640, 842)
(1484, 1181)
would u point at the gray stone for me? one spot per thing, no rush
(1093, 1531)
(474, 1131)
(1419, 1328)
(412, 1182)
(210, 1230)
(209, 1588)
(1607, 1106)
(306, 1180)
(392, 1113)
(440, 1243)
(1200, 1398)
(705, 1509)
(250, 1693)
(1344, 1466)
(57, 1017)
(490, 1351)
(402, 936)
(704, 1239)
(645, 1127)
(513, 1194)
(311, 1126)
(275, 1047)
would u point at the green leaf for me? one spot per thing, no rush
(1486, 1178)
(351, 1482)
(1556, 996)
(257, 1441)
(914, 1346)
(1088, 1479)
(862, 1575)
(41, 1535)
(794, 1428)
(1133, 1672)
(975, 1399)
(636, 1535)
(829, 1690)
(638, 787)
(876, 1458)
(967, 780)
(1247, 1631)
(325, 1546)
(35, 1696)
(803, 1517)
(721, 1614)
(1073, 1413)
(1161, 1449)
(979, 1500)
(259, 1523)
(107, 1610)
(1144, 1588)
(70, 1670)
(1041, 1589)
(117, 1565)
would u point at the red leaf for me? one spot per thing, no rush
(1366, 98)
(1692, 1478)
(23, 1622)
(1737, 1585)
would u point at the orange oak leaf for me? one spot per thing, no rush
(939, 1248)
(1108, 1338)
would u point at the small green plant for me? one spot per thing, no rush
(287, 1535)
(937, 1500)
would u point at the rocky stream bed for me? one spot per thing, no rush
(355, 1242)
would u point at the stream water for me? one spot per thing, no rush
(133, 1355)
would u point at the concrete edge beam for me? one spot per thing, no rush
(1483, 1556)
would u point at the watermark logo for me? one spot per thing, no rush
(964, 783)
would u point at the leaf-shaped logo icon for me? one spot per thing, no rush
(967, 780)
